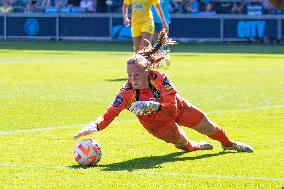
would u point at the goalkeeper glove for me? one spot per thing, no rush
(89, 129)
(144, 107)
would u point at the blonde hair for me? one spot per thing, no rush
(149, 56)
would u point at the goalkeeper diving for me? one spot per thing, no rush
(150, 95)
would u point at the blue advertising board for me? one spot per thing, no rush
(84, 26)
(2, 26)
(282, 28)
(250, 28)
(195, 28)
(119, 31)
(31, 26)
(108, 26)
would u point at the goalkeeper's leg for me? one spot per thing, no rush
(194, 118)
(185, 144)
(172, 133)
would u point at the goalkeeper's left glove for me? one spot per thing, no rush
(144, 107)
(89, 129)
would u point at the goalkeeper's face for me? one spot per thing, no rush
(137, 76)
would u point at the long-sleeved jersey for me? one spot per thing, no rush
(160, 90)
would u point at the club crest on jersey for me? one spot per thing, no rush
(167, 84)
(156, 94)
(118, 100)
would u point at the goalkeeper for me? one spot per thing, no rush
(150, 95)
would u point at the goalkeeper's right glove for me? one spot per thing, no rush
(89, 129)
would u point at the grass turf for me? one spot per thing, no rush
(69, 84)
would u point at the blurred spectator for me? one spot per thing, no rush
(43, 3)
(174, 7)
(191, 6)
(267, 8)
(114, 5)
(208, 10)
(237, 8)
(87, 6)
(223, 7)
(101, 6)
(73, 3)
(60, 3)
(29, 8)
(6, 7)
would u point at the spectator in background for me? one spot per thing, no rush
(223, 7)
(87, 6)
(192, 6)
(29, 8)
(73, 3)
(237, 8)
(44, 4)
(60, 3)
(176, 6)
(6, 7)
(208, 10)
(267, 7)
(101, 6)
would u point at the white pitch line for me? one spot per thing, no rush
(167, 174)
(55, 128)
(130, 120)
(247, 109)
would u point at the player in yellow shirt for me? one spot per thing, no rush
(142, 25)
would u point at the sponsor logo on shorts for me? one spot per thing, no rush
(117, 102)
(167, 84)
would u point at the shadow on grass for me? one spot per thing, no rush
(153, 161)
(149, 162)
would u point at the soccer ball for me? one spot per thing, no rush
(87, 152)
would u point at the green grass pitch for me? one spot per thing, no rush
(49, 90)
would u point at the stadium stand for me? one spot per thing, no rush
(207, 7)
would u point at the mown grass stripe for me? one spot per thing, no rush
(130, 120)
(172, 174)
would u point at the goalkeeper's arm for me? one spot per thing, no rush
(101, 123)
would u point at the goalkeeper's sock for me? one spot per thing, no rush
(221, 136)
(191, 146)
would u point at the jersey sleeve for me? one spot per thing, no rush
(169, 105)
(127, 2)
(122, 101)
(165, 85)
(168, 92)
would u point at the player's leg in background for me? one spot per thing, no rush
(137, 43)
(147, 31)
(136, 36)
(147, 36)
